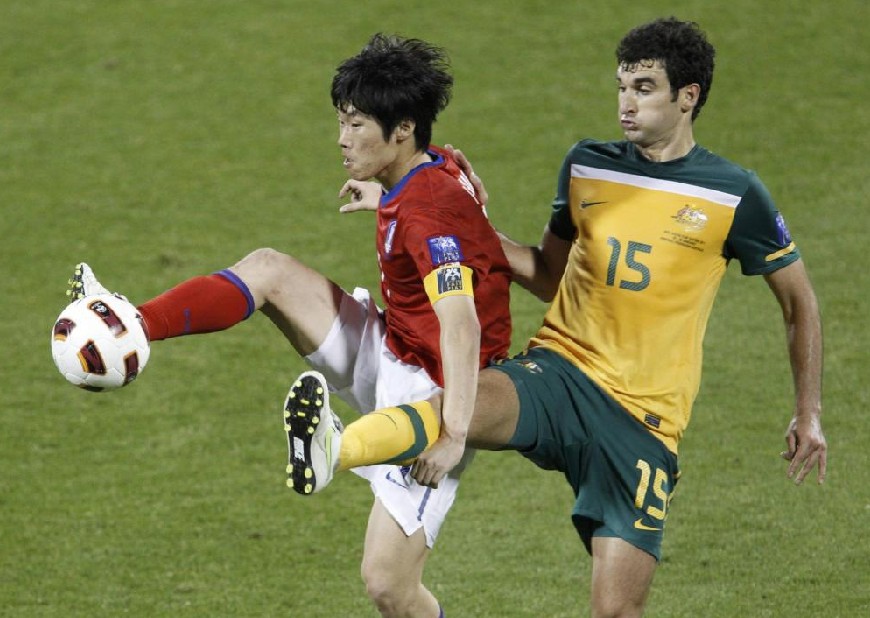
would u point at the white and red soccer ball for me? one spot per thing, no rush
(99, 343)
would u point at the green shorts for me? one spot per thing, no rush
(623, 476)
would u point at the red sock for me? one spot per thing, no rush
(200, 305)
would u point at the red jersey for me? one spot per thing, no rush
(431, 218)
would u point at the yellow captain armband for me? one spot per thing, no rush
(451, 279)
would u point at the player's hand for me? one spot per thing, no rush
(465, 165)
(436, 461)
(806, 448)
(364, 195)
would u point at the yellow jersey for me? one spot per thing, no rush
(650, 245)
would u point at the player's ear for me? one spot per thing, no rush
(688, 97)
(404, 130)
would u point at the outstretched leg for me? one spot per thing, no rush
(301, 302)
(398, 435)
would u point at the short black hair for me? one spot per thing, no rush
(680, 46)
(394, 79)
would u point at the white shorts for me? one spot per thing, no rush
(362, 371)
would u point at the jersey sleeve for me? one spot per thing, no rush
(759, 238)
(437, 246)
(560, 218)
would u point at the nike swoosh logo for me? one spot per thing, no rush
(641, 526)
(585, 204)
(386, 416)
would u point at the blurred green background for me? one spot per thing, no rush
(164, 139)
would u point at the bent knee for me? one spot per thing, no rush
(263, 270)
(388, 593)
(263, 259)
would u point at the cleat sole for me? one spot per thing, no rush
(302, 415)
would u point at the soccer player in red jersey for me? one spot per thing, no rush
(444, 284)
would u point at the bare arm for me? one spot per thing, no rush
(806, 447)
(460, 359)
(538, 269)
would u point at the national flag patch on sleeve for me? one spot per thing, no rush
(444, 249)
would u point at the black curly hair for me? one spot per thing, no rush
(394, 79)
(680, 46)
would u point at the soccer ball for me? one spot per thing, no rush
(99, 343)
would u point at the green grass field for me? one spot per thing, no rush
(160, 140)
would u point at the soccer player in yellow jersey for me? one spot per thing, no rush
(640, 235)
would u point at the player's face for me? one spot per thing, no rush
(366, 154)
(648, 113)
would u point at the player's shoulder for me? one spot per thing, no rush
(593, 153)
(443, 169)
(419, 182)
(439, 184)
(703, 157)
(717, 172)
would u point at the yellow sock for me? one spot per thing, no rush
(389, 435)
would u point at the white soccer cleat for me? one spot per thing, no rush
(84, 283)
(313, 434)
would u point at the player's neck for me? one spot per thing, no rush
(677, 146)
(403, 165)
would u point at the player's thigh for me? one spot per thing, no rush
(390, 557)
(496, 411)
(301, 302)
(621, 577)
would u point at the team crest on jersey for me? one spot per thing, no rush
(444, 249)
(388, 237)
(782, 228)
(692, 218)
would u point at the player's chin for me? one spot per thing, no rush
(634, 136)
(358, 175)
